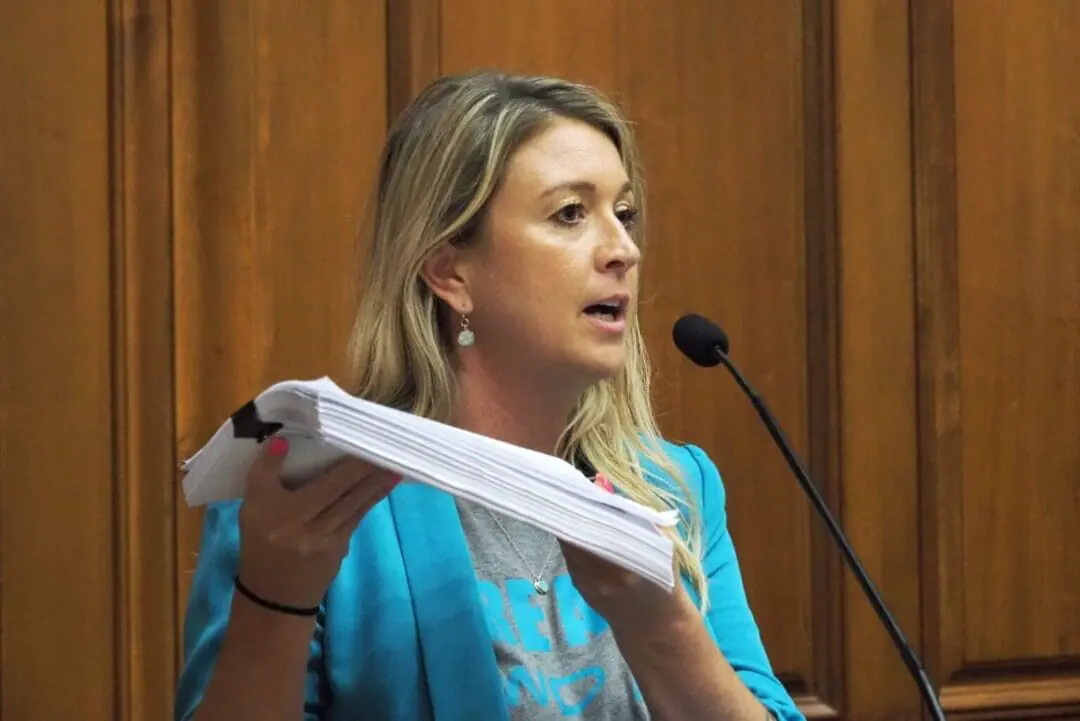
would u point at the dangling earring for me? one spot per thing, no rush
(465, 336)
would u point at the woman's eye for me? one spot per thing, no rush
(570, 214)
(627, 216)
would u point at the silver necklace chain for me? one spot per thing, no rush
(539, 583)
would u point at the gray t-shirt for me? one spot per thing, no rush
(557, 657)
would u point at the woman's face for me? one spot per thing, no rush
(554, 280)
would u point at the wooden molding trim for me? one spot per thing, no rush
(823, 352)
(937, 301)
(1020, 699)
(142, 345)
(413, 48)
(815, 708)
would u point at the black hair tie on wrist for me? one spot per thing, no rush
(272, 605)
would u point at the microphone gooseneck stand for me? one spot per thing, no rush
(906, 653)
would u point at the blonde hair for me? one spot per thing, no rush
(443, 160)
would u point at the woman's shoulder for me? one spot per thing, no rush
(697, 473)
(691, 458)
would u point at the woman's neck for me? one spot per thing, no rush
(526, 411)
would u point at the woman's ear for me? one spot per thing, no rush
(446, 276)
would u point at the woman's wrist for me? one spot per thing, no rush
(673, 620)
(272, 605)
(680, 670)
(249, 614)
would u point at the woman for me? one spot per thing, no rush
(501, 298)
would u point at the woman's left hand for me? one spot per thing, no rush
(623, 598)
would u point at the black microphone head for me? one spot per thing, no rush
(699, 339)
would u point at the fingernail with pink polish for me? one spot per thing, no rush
(603, 482)
(278, 446)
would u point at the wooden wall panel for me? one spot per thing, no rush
(729, 238)
(1006, 293)
(1019, 247)
(722, 129)
(57, 542)
(279, 114)
(877, 200)
(142, 356)
(879, 457)
(579, 41)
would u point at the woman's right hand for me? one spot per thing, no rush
(292, 542)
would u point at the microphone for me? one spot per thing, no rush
(706, 344)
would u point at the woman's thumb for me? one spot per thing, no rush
(268, 463)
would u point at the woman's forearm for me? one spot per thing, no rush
(683, 676)
(261, 671)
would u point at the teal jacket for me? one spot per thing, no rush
(402, 635)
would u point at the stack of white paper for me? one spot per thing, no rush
(324, 423)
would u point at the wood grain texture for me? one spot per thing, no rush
(1018, 159)
(996, 175)
(823, 367)
(879, 460)
(1009, 599)
(413, 44)
(576, 40)
(279, 112)
(721, 125)
(880, 201)
(57, 543)
(142, 358)
(934, 186)
(723, 133)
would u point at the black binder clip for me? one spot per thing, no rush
(582, 464)
(247, 424)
